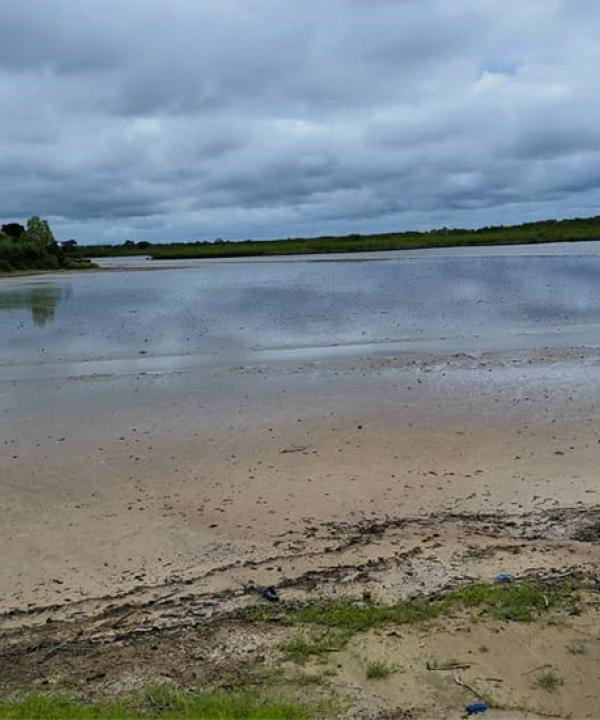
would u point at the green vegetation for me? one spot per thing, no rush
(519, 602)
(159, 701)
(535, 232)
(303, 645)
(549, 681)
(34, 248)
(378, 669)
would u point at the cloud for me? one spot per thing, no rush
(265, 118)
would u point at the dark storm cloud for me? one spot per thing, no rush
(264, 118)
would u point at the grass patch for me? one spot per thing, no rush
(518, 602)
(303, 645)
(159, 701)
(378, 669)
(549, 681)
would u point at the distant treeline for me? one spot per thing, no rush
(33, 247)
(534, 232)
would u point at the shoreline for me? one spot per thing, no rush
(154, 263)
(345, 442)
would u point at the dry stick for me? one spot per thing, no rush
(451, 666)
(459, 682)
(535, 669)
(302, 448)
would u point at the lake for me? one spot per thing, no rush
(143, 315)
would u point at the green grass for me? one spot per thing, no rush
(159, 701)
(520, 602)
(305, 644)
(549, 681)
(534, 232)
(378, 669)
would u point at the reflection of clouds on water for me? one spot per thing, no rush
(544, 289)
(42, 300)
(228, 310)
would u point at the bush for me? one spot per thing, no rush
(33, 249)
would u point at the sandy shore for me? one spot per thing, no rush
(170, 477)
(144, 511)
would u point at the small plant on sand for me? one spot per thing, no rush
(302, 645)
(378, 669)
(549, 681)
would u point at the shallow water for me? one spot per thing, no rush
(236, 311)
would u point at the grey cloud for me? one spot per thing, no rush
(265, 118)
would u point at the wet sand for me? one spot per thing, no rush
(178, 475)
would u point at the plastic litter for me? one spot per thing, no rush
(270, 594)
(476, 708)
(504, 577)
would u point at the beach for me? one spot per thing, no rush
(181, 484)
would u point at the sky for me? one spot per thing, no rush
(196, 119)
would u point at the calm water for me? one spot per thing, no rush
(235, 311)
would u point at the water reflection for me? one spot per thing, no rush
(235, 309)
(42, 300)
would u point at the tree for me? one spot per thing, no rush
(38, 229)
(69, 245)
(13, 229)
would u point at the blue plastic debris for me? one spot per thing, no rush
(270, 594)
(504, 577)
(476, 708)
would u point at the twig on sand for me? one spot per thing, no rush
(294, 449)
(449, 666)
(461, 683)
(539, 667)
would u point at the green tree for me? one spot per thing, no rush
(13, 229)
(38, 229)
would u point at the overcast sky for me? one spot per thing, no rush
(196, 119)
